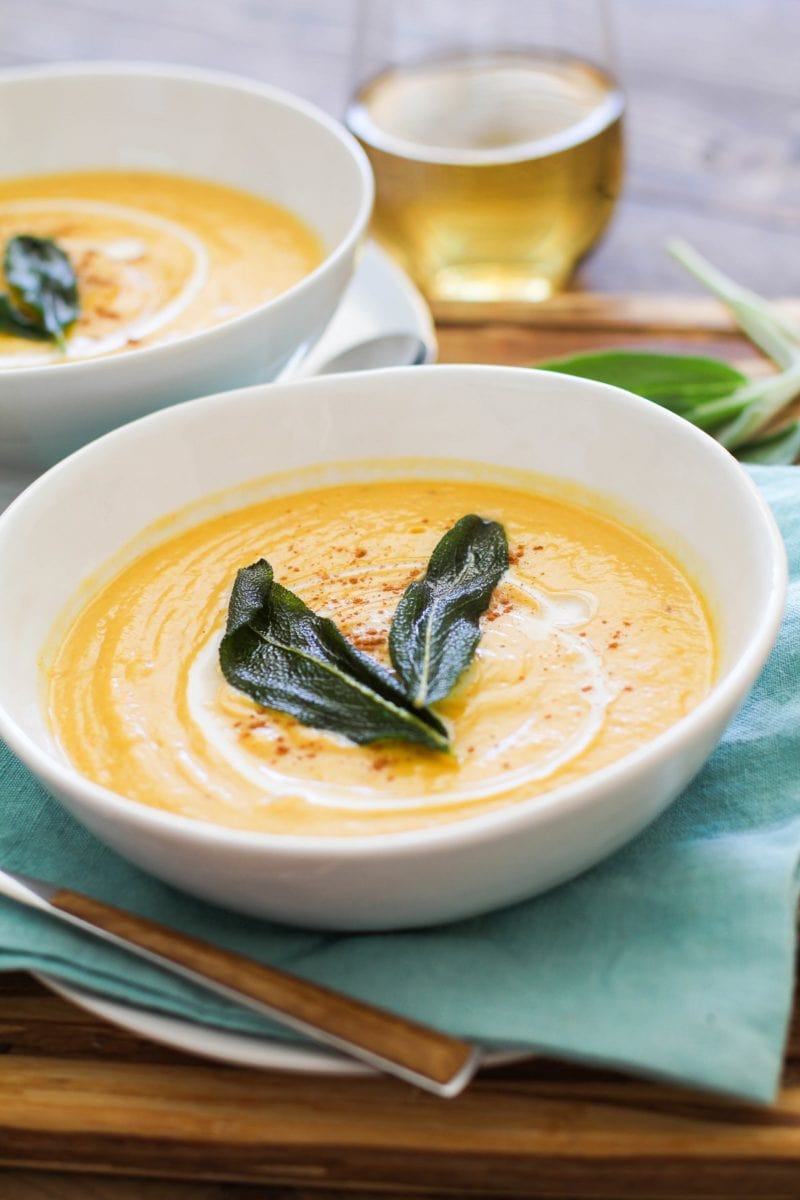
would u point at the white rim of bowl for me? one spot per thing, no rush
(233, 82)
(726, 693)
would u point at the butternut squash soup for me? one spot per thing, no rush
(156, 256)
(592, 643)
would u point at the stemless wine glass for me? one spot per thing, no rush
(494, 130)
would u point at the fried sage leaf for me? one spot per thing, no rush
(42, 285)
(13, 322)
(285, 656)
(435, 629)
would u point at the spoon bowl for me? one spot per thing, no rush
(385, 350)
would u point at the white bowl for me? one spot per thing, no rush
(186, 122)
(649, 464)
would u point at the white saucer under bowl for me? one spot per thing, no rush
(223, 1045)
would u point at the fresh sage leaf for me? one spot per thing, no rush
(760, 400)
(284, 656)
(680, 382)
(42, 285)
(756, 317)
(435, 629)
(781, 448)
(764, 400)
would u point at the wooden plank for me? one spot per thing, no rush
(638, 313)
(44, 1185)
(520, 345)
(41, 1185)
(511, 1134)
(526, 344)
(542, 1129)
(574, 324)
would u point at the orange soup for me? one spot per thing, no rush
(156, 256)
(594, 643)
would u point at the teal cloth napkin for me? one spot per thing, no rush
(674, 958)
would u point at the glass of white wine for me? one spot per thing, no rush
(494, 128)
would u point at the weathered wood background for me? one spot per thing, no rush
(713, 127)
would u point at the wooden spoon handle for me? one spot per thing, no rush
(433, 1060)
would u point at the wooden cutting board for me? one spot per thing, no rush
(522, 334)
(78, 1096)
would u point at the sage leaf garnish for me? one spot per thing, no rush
(739, 412)
(285, 656)
(42, 287)
(435, 629)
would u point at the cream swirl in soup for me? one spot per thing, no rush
(595, 641)
(156, 256)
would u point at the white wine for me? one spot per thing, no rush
(494, 175)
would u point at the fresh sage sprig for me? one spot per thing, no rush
(764, 398)
(776, 449)
(283, 655)
(435, 630)
(709, 393)
(762, 323)
(42, 299)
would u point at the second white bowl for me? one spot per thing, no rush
(207, 126)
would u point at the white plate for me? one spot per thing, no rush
(238, 1049)
(380, 299)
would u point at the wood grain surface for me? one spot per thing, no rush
(77, 1095)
